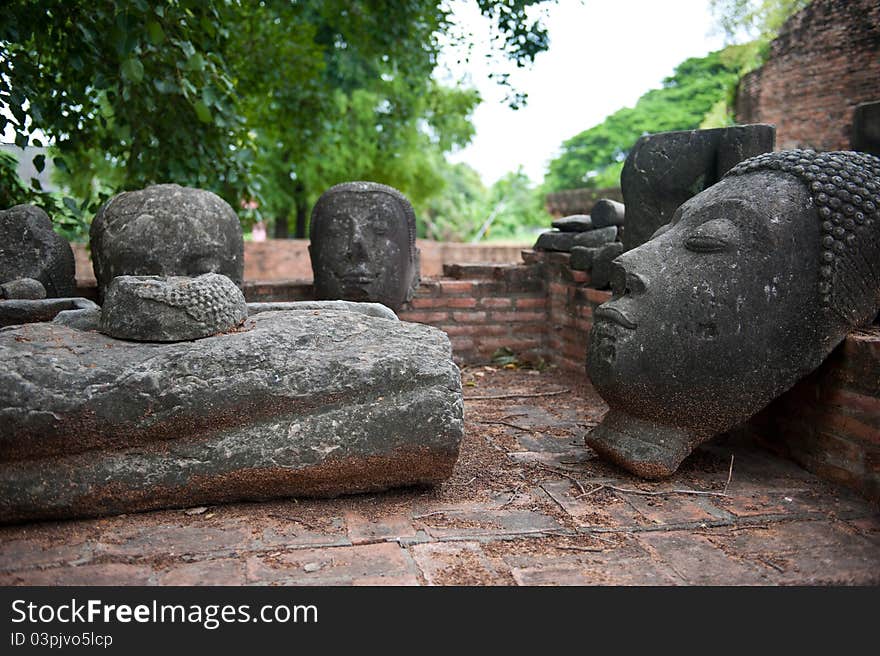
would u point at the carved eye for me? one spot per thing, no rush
(712, 237)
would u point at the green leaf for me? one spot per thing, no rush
(133, 70)
(155, 32)
(196, 62)
(21, 140)
(40, 163)
(203, 112)
(60, 164)
(35, 184)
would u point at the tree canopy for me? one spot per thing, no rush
(270, 101)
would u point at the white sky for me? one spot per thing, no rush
(603, 55)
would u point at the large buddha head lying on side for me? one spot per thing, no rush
(747, 290)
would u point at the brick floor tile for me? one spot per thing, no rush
(457, 563)
(362, 529)
(222, 571)
(489, 524)
(104, 574)
(380, 564)
(696, 561)
(807, 553)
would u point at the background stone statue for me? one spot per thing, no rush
(30, 248)
(663, 170)
(166, 230)
(747, 290)
(363, 245)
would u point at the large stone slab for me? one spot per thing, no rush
(596, 237)
(574, 223)
(316, 403)
(556, 240)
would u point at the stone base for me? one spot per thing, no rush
(317, 403)
(644, 448)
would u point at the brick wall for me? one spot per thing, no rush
(288, 259)
(830, 421)
(825, 61)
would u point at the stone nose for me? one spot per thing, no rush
(357, 244)
(625, 281)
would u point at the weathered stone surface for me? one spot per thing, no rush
(18, 311)
(88, 318)
(298, 404)
(363, 246)
(749, 288)
(663, 170)
(607, 212)
(574, 223)
(602, 267)
(166, 230)
(555, 240)
(171, 309)
(866, 128)
(582, 258)
(596, 237)
(30, 248)
(23, 288)
(370, 309)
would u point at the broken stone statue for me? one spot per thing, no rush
(663, 170)
(317, 400)
(747, 290)
(166, 230)
(363, 245)
(31, 249)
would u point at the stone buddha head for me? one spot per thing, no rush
(166, 230)
(748, 289)
(363, 245)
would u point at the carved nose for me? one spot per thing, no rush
(625, 282)
(357, 247)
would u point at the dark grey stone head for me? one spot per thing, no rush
(363, 244)
(166, 230)
(749, 288)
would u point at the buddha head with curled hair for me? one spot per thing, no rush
(363, 245)
(748, 289)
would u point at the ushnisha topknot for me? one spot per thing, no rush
(374, 187)
(845, 187)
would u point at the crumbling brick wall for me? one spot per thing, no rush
(825, 61)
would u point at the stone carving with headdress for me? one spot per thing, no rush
(748, 289)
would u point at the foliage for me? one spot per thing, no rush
(698, 86)
(66, 214)
(753, 20)
(272, 101)
(457, 213)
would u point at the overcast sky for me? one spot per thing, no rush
(603, 55)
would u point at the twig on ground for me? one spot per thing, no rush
(503, 423)
(463, 484)
(653, 493)
(523, 395)
(575, 548)
(562, 473)
(430, 514)
(729, 474)
(513, 495)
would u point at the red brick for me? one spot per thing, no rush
(580, 276)
(531, 303)
(425, 317)
(585, 311)
(517, 317)
(427, 302)
(469, 317)
(464, 302)
(495, 302)
(462, 343)
(597, 296)
(457, 286)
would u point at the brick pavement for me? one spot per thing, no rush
(527, 505)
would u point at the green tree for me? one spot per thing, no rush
(753, 20)
(272, 100)
(595, 157)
